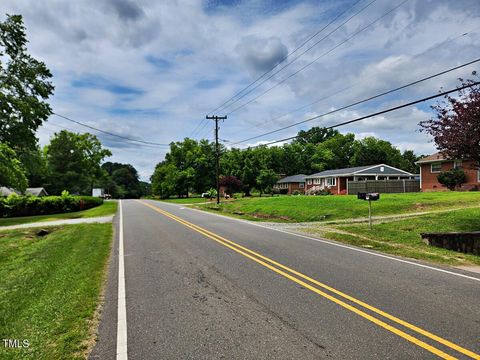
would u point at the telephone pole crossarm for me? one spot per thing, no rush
(217, 152)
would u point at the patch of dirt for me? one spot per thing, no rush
(268, 216)
(420, 206)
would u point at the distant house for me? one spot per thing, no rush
(290, 184)
(5, 191)
(337, 180)
(40, 191)
(433, 165)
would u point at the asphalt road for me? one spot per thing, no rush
(201, 286)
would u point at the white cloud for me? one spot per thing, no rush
(151, 57)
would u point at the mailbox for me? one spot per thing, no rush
(368, 196)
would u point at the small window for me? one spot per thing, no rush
(435, 167)
(309, 182)
(301, 185)
(331, 181)
(382, 168)
(317, 181)
(457, 164)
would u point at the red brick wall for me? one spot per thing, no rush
(295, 186)
(430, 182)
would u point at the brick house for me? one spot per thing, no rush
(337, 180)
(291, 183)
(433, 165)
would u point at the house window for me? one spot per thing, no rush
(382, 168)
(317, 181)
(457, 164)
(478, 175)
(436, 167)
(301, 185)
(331, 181)
(309, 182)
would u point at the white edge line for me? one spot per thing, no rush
(121, 305)
(336, 244)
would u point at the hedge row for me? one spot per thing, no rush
(31, 205)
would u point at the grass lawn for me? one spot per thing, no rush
(107, 208)
(402, 237)
(50, 289)
(319, 208)
(191, 200)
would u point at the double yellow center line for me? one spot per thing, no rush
(318, 288)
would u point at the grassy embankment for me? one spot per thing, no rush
(331, 208)
(50, 289)
(402, 237)
(107, 208)
(393, 236)
(191, 200)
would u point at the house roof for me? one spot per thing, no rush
(361, 170)
(5, 191)
(293, 178)
(36, 191)
(432, 158)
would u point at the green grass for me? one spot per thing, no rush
(107, 208)
(50, 289)
(191, 200)
(402, 237)
(319, 208)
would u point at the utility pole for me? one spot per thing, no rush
(217, 152)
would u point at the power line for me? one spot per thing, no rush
(379, 112)
(110, 133)
(414, 56)
(294, 51)
(360, 101)
(318, 58)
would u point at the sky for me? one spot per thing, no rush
(151, 70)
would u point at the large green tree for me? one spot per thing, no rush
(24, 88)
(75, 162)
(12, 173)
(121, 181)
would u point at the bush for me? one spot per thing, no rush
(452, 178)
(30, 205)
(296, 192)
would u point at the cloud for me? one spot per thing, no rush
(153, 69)
(260, 55)
(126, 9)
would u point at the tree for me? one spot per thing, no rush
(456, 127)
(12, 173)
(409, 160)
(266, 179)
(24, 87)
(315, 135)
(231, 184)
(452, 178)
(121, 181)
(74, 161)
(371, 151)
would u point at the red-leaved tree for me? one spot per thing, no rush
(456, 127)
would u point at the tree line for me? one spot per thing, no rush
(189, 166)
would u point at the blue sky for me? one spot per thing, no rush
(152, 70)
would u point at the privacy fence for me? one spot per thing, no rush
(383, 186)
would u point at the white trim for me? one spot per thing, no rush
(385, 165)
(478, 175)
(121, 303)
(332, 243)
(334, 181)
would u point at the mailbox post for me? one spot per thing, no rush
(369, 197)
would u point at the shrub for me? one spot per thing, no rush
(31, 205)
(452, 178)
(296, 192)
